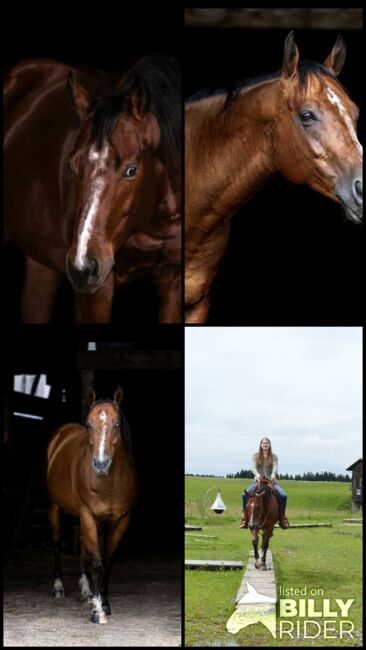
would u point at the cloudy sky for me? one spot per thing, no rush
(301, 387)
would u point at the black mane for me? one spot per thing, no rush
(162, 74)
(306, 69)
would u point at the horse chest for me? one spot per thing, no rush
(106, 508)
(160, 244)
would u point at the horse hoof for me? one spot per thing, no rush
(263, 567)
(107, 610)
(98, 618)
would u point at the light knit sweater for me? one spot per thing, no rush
(263, 468)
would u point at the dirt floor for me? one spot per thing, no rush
(145, 599)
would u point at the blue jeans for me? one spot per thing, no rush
(251, 488)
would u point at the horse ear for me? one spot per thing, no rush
(80, 97)
(92, 397)
(290, 57)
(118, 395)
(139, 98)
(335, 61)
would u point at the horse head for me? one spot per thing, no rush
(114, 173)
(258, 504)
(104, 424)
(315, 135)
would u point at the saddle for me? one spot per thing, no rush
(266, 487)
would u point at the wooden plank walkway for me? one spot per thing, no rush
(200, 536)
(256, 598)
(190, 527)
(213, 565)
(307, 526)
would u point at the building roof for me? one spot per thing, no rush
(354, 464)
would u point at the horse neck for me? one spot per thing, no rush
(229, 154)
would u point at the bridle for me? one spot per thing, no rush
(269, 483)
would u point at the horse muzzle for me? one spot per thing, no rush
(101, 467)
(351, 197)
(91, 276)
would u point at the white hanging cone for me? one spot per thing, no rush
(218, 505)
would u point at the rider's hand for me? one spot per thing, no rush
(273, 478)
(257, 477)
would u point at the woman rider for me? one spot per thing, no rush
(265, 463)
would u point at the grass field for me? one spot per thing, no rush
(327, 559)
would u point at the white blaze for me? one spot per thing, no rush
(96, 190)
(103, 419)
(335, 100)
(251, 514)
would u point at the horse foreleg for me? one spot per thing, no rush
(198, 313)
(95, 307)
(202, 264)
(90, 537)
(114, 536)
(85, 591)
(39, 292)
(54, 519)
(255, 547)
(265, 543)
(170, 310)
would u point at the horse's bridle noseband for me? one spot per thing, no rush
(270, 484)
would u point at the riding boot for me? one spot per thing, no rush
(244, 520)
(283, 521)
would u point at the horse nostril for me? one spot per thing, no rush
(93, 267)
(358, 190)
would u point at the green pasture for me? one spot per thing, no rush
(327, 560)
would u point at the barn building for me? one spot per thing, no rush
(356, 486)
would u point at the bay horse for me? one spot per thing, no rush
(92, 182)
(263, 512)
(299, 122)
(91, 474)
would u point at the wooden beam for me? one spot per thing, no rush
(309, 18)
(213, 565)
(129, 360)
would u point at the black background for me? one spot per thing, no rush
(153, 404)
(292, 256)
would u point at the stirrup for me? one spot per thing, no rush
(243, 523)
(284, 523)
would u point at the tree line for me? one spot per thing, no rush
(306, 476)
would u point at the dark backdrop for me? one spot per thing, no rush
(292, 257)
(153, 405)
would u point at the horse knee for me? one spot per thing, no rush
(96, 563)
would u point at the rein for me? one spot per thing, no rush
(269, 484)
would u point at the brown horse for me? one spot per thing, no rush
(300, 123)
(92, 178)
(263, 513)
(91, 474)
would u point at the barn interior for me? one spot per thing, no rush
(48, 381)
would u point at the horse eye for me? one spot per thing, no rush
(117, 425)
(307, 117)
(88, 426)
(130, 171)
